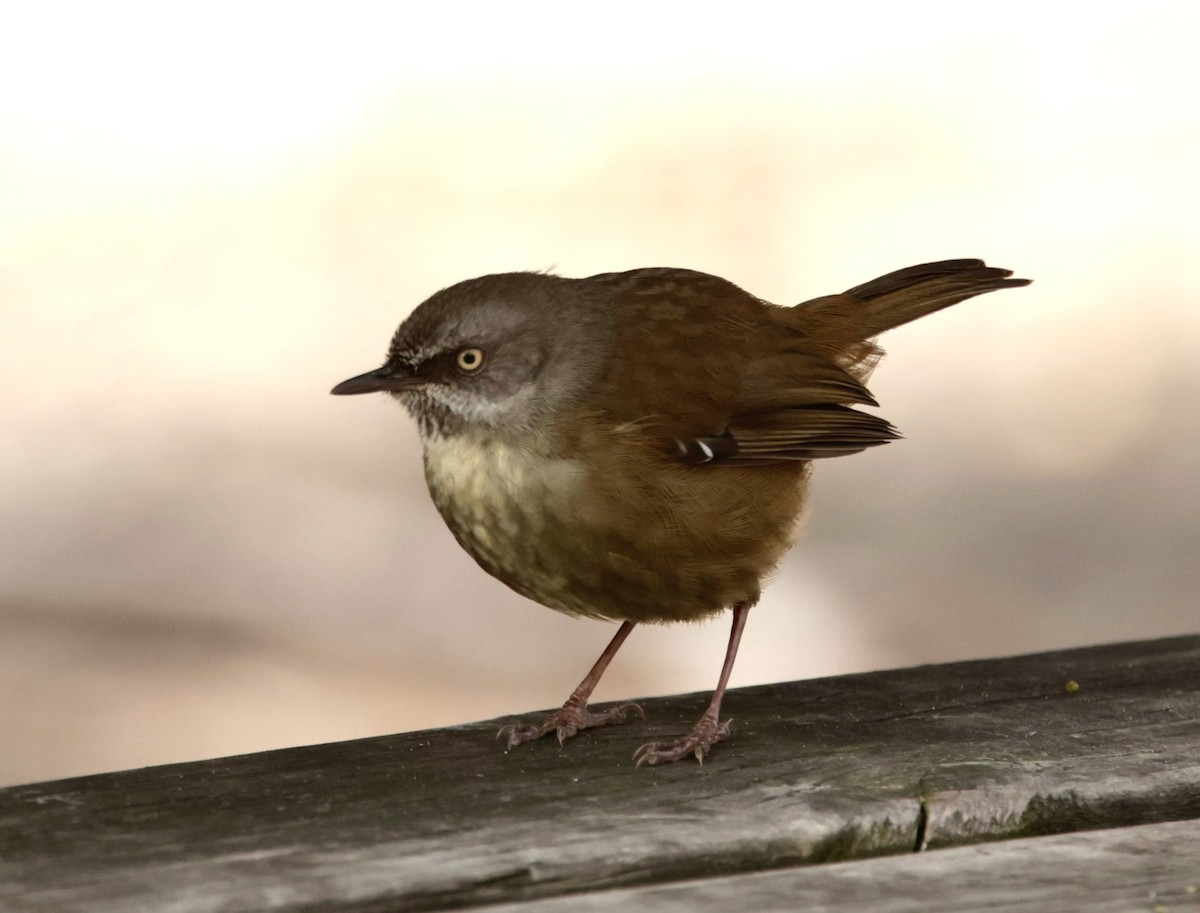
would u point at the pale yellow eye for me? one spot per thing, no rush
(469, 360)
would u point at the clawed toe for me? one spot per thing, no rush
(611, 717)
(566, 722)
(514, 734)
(698, 743)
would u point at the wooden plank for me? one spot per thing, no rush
(1153, 868)
(841, 768)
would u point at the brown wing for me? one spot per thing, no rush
(792, 406)
(717, 375)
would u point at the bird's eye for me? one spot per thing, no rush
(469, 360)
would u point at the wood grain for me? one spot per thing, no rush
(819, 771)
(1153, 868)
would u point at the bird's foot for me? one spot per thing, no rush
(565, 722)
(698, 742)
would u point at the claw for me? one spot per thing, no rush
(566, 722)
(698, 743)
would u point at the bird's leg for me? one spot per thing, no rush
(709, 729)
(574, 715)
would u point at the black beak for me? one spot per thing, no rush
(385, 379)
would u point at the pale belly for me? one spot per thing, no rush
(513, 512)
(594, 547)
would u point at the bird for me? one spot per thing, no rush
(637, 446)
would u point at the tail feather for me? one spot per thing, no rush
(842, 328)
(907, 294)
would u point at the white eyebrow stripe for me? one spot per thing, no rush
(708, 454)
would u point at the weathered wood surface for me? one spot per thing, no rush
(817, 771)
(1153, 868)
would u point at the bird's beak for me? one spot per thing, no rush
(389, 378)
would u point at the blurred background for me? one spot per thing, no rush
(210, 214)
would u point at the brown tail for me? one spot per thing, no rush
(910, 293)
(842, 328)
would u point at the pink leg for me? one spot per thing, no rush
(709, 729)
(574, 715)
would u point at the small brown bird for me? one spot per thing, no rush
(636, 446)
